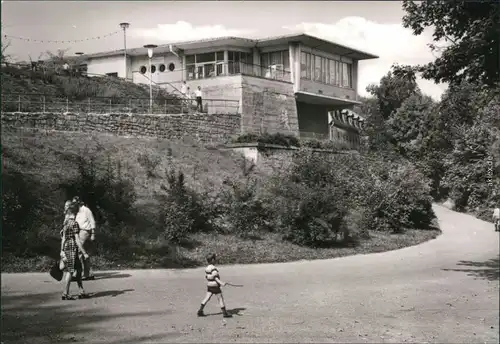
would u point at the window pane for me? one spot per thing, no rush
(324, 70)
(303, 65)
(345, 75)
(220, 56)
(317, 68)
(349, 75)
(249, 58)
(309, 66)
(209, 70)
(276, 58)
(189, 59)
(220, 69)
(332, 72)
(338, 73)
(264, 60)
(207, 57)
(237, 56)
(190, 72)
(199, 72)
(230, 55)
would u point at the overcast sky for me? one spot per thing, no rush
(369, 26)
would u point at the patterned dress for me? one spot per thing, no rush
(70, 247)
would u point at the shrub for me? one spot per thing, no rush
(399, 199)
(21, 211)
(306, 206)
(149, 163)
(325, 144)
(275, 139)
(183, 212)
(244, 210)
(309, 216)
(107, 193)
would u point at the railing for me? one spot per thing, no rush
(211, 70)
(21, 102)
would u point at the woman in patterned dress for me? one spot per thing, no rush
(71, 248)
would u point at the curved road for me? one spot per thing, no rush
(445, 290)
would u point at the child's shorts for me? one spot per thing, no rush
(214, 290)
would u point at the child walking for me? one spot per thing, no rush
(213, 286)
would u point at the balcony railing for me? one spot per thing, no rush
(211, 70)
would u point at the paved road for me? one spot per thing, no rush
(445, 290)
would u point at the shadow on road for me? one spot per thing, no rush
(112, 293)
(233, 311)
(45, 318)
(106, 275)
(489, 270)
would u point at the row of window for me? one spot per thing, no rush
(162, 68)
(208, 65)
(327, 71)
(276, 58)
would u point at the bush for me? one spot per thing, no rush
(183, 212)
(274, 139)
(305, 201)
(107, 193)
(149, 163)
(21, 211)
(400, 198)
(243, 209)
(326, 145)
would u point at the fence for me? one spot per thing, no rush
(22, 102)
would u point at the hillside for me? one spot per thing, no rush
(40, 170)
(21, 83)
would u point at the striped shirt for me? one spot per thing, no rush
(211, 273)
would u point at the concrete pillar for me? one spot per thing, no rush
(226, 62)
(355, 77)
(184, 69)
(291, 58)
(294, 49)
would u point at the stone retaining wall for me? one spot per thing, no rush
(206, 128)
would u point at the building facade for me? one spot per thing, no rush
(295, 84)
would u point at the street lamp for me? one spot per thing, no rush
(150, 48)
(125, 26)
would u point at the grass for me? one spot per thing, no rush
(48, 158)
(268, 248)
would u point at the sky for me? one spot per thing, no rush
(371, 26)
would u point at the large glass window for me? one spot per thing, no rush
(207, 57)
(338, 74)
(331, 79)
(317, 68)
(325, 75)
(200, 66)
(325, 70)
(346, 75)
(305, 65)
(275, 58)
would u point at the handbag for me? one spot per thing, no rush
(56, 272)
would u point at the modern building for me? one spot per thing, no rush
(295, 84)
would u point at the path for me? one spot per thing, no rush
(445, 290)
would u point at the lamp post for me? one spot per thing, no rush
(150, 48)
(125, 26)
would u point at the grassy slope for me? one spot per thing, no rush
(47, 158)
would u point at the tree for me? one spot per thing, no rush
(394, 88)
(471, 31)
(5, 46)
